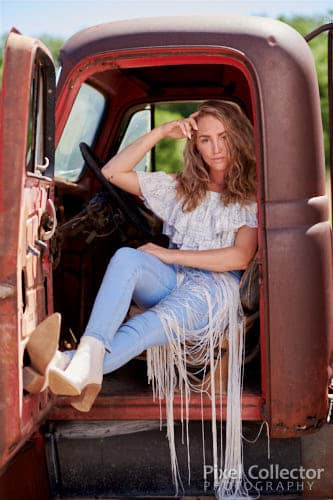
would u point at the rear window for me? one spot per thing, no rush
(81, 126)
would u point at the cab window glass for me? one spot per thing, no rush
(40, 123)
(81, 126)
(30, 128)
(167, 155)
(139, 124)
(36, 159)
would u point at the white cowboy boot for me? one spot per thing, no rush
(43, 342)
(42, 348)
(84, 373)
(35, 382)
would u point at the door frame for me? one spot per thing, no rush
(26, 193)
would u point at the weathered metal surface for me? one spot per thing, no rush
(27, 477)
(143, 407)
(279, 88)
(6, 291)
(27, 276)
(295, 237)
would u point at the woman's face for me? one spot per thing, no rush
(211, 143)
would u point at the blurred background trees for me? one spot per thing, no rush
(304, 25)
(52, 43)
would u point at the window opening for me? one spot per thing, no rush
(140, 123)
(39, 151)
(82, 125)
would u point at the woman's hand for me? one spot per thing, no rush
(236, 257)
(179, 129)
(164, 254)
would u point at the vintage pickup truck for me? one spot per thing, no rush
(60, 223)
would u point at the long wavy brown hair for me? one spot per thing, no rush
(240, 179)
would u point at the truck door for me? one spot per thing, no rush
(27, 223)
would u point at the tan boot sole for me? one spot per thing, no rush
(87, 398)
(59, 384)
(43, 343)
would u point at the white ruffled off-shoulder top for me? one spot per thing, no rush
(210, 225)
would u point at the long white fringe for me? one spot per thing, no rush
(168, 370)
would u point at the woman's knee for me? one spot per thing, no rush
(146, 329)
(126, 258)
(125, 254)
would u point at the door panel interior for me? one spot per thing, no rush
(26, 167)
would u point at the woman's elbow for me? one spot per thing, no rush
(245, 260)
(243, 265)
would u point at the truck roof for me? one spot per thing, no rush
(247, 34)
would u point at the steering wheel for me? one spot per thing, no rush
(125, 201)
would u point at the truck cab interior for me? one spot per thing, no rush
(111, 109)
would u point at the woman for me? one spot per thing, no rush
(189, 290)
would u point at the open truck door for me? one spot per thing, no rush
(27, 223)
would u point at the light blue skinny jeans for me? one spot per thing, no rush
(132, 274)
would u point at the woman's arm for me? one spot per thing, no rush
(119, 170)
(236, 257)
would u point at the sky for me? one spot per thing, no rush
(65, 17)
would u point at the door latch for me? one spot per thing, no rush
(42, 168)
(33, 250)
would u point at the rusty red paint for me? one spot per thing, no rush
(27, 476)
(295, 244)
(21, 206)
(70, 82)
(278, 187)
(140, 407)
